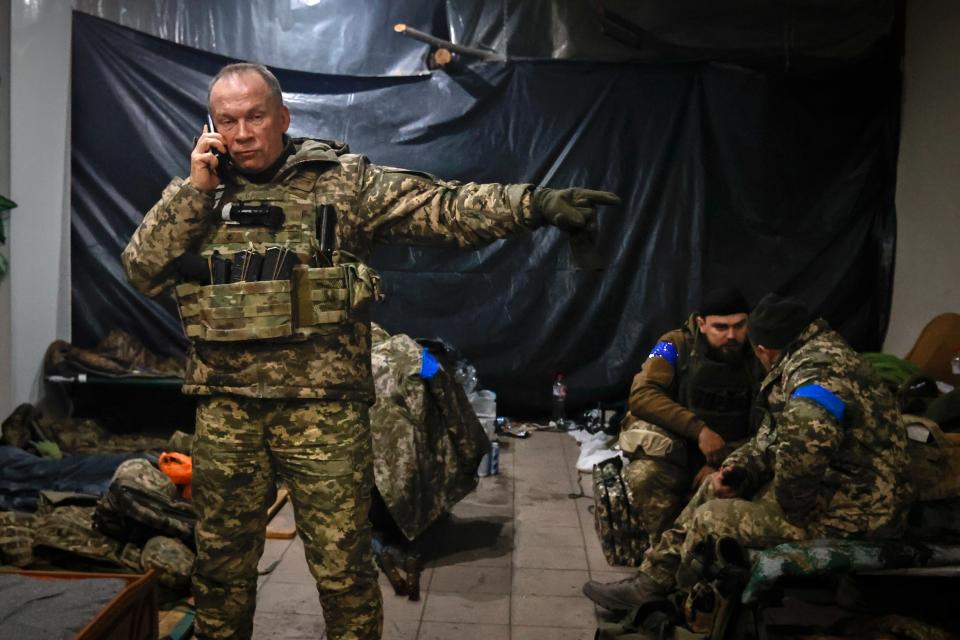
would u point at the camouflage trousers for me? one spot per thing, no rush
(756, 524)
(659, 474)
(321, 450)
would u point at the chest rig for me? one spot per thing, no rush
(317, 296)
(719, 393)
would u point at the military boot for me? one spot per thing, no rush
(626, 594)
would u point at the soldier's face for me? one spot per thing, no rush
(724, 333)
(251, 121)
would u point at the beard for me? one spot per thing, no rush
(730, 352)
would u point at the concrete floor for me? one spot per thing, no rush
(507, 565)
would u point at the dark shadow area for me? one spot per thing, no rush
(454, 540)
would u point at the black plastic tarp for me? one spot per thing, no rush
(343, 37)
(766, 179)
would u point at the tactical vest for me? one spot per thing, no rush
(313, 301)
(717, 392)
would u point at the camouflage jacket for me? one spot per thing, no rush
(427, 441)
(830, 439)
(375, 205)
(656, 394)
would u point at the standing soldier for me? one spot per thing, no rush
(281, 364)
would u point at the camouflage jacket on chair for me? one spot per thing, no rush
(831, 440)
(374, 205)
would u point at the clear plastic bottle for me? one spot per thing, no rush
(559, 401)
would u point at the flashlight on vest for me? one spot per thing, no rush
(248, 214)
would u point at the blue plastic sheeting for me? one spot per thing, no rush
(766, 180)
(352, 38)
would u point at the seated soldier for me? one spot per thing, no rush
(829, 459)
(688, 405)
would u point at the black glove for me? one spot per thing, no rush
(570, 209)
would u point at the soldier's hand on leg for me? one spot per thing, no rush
(727, 482)
(702, 475)
(712, 446)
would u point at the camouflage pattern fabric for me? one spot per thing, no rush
(16, 538)
(69, 530)
(375, 205)
(659, 434)
(677, 558)
(180, 442)
(141, 503)
(935, 465)
(824, 557)
(812, 475)
(659, 480)
(117, 355)
(72, 435)
(622, 537)
(833, 477)
(321, 451)
(170, 558)
(427, 440)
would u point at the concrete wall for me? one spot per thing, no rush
(927, 276)
(39, 241)
(6, 380)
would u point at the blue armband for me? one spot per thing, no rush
(665, 350)
(430, 365)
(827, 399)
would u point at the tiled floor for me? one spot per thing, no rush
(507, 564)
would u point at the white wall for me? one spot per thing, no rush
(927, 275)
(39, 249)
(6, 383)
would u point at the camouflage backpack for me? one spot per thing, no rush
(170, 558)
(66, 536)
(142, 502)
(620, 531)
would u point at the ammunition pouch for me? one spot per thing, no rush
(278, 310)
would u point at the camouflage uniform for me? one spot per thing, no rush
(679, 390)
(829, 460)
(427, 440)
(297, 410)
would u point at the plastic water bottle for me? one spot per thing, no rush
(559, 401)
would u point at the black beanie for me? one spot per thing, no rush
(776, 321)
(724, 301)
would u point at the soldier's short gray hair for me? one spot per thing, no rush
(240, 68)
